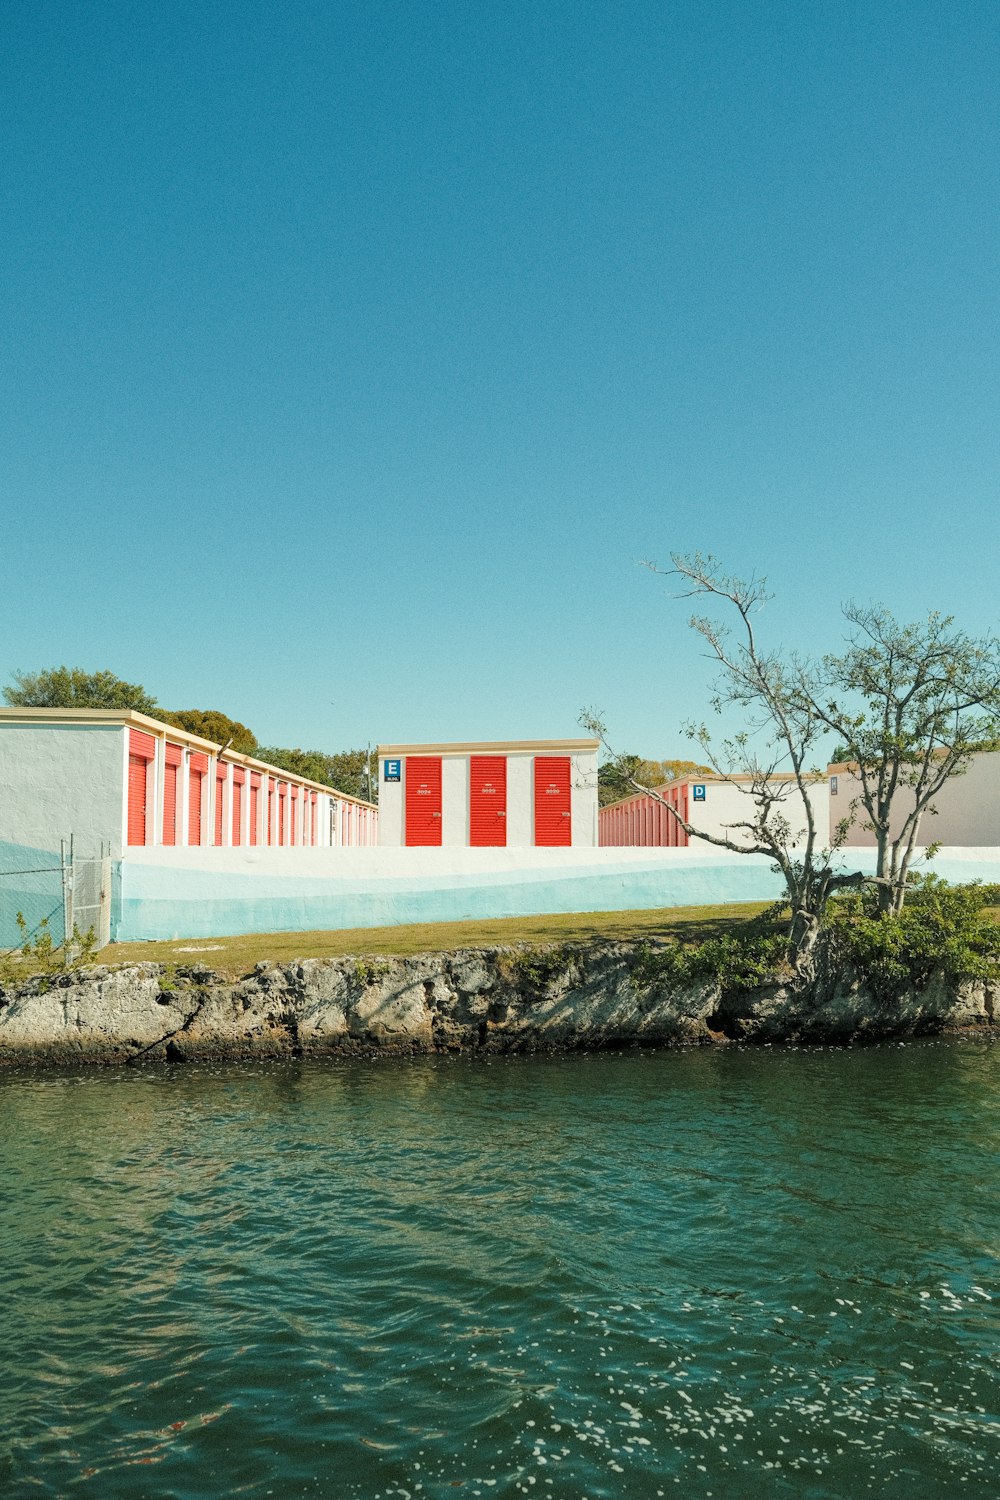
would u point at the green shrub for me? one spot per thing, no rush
(37, 952)
(367, 972)
(941, 930)
(535, 969)
(733, 961)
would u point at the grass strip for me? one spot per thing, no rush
(238, 955)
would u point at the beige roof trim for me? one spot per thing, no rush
(112, 718)
(850, 767)
(491, 746)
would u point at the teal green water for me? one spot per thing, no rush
(715, 1273)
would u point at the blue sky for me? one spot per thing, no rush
(356, 354)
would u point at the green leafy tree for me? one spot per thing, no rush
(355, 772)
(72, 687)
(312, 764)
(910, 705)
(212, 724)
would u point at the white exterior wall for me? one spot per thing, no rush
(521, 801)
(391, 811)
(454, 800)
(58, 780)
(455, 771)
(725, 804)
(583, 800)
(968, 808)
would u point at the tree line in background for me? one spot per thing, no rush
(625, 774)
(350, 771)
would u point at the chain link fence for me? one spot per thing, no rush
(64, 894)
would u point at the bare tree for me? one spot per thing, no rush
(910, 705)
(772, 757)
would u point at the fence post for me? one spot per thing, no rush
(66, 872)
(104, 935)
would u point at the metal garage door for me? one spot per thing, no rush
(423, 800)
(488, 801)
(553, 820)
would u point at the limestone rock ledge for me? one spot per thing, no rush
(494, 1000)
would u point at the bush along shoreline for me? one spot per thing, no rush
(930, 968)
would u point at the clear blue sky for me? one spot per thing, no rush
(354, 354)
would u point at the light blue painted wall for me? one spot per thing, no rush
(31, 883)
(151, 909)
(157, 902)
(160, 901)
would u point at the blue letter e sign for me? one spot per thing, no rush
(391, 770)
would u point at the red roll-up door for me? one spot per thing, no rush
(142, 745)
(197, 771)
(221, 772)
(487, 801)
(313, 804)
(141, 749)
(239, 777)
(137, 799)
(282, 803)
(254, 805)
(423, 800)
(553, 823)
(293, 833)
(171, 771)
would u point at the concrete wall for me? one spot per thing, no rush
(57, 780)
(968, 807)
(198, 893)
(182, 893)
(520, 799)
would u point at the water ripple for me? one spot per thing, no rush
(726, 1274)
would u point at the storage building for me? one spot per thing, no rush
(119, 777)
(514, 794)
(967, 808)
(714, 804)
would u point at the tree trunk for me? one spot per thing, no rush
(889, 899)
(802, 935)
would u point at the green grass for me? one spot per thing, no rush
(237, 955)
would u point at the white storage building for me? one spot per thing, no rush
(967, 807)
(508, 794)
(119, 777)
(711, 803)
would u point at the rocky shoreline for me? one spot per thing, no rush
(476, 1000)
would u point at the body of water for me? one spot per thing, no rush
(716, 1273)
